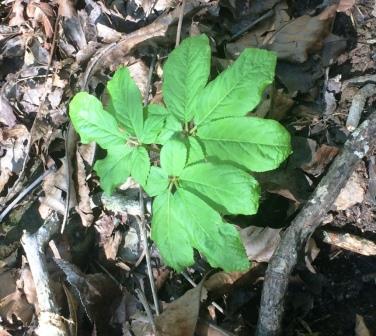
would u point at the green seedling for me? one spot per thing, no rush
(204, 146)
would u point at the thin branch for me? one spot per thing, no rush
(50, 320)
(306, 222)
(24, 192)
(180, 23)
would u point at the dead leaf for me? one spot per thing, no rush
(351, 194)
(296, 39)
(345, 5)
(108, 239)
(7, 116)
(84, 153)
(360, 327)
(221, 279)
(260, 242)
(54, 185)
(180, 317)
(41, 12)
(17, 13)
(97, 293)
(13, 145)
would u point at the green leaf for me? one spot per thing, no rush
(186, 73)
(154, 123)
(93, 123)
(228, 189)
(140, 165)
(168, 232)
(171, 127)
(157, 182)
(173, 157)
(115, 168)
(254, 143)
(219, 242)
(182, 221)
(238, 89)
(126, 102)
(195, 151)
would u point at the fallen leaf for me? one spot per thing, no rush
(41, 12)
(296, 39)
(109, 239)
(221, 279)
(345, 5)
(180, 317)
(260, 242)
(17, 14)
(360, 326)
(351, 194)
(7, 116)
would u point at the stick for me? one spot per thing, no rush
(180, 23)
(50, 321)
(305, 223)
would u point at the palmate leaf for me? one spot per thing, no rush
(226, 188)
(115, 168)
(125, 102)
(93, 123)
(254, 143)
(238, 89)
(182, 221)
(186, 73)
(157, 181)
(154, 123)
(195, 150)
(173, 157)
(120, 163)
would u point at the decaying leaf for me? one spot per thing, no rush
(180, 317)
(360, 327)
(260, 242)
(17, 14)
(41, 12)
(351, 194)
(7, 116)
(13, 144)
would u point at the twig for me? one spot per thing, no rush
(180, 23)
(305, 223)
(24, 192)
(249, 26)
(141, 223)
(213, 303)
(146, 306)
(50, 321)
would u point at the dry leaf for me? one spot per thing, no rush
(293, 41)
(17, 12)
(41, 12)
(221, 279)
(260, 242)
(351, 194)
(180, 317)
(360, 327)
(345, 5)
(7, 116)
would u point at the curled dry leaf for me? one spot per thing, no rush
(7, 116)
(17, 14)
(345, 5)
(53, 186)
(13, 144)
(41, 12)
(108, 239)
(180, 317)
(84, 153)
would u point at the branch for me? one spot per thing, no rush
(305, 223)
(50, 321)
